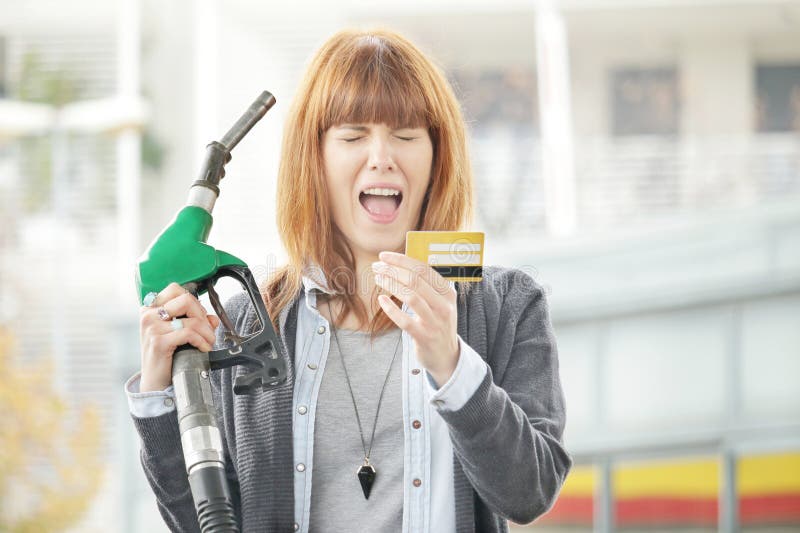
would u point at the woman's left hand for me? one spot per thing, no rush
(435, 326)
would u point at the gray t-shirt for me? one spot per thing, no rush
(338, 453)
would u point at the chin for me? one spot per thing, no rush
(376, 245)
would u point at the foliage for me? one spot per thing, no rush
(50, 467)
(40, 84)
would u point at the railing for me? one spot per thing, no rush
(632, 180)
(636, 179)
(508, 181)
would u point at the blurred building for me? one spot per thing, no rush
(641, 159)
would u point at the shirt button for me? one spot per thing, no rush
(296, 526)
(415, 371)
(417, 424)
(417, 482)
(312, 366)
(301, 467)
(321, 330)
(302, 409)
(169, 402)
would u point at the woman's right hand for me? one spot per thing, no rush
(159, 340)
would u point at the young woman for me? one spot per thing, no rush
(412, 403)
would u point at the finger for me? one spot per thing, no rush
(408, 296)
(168, 293)
(185, 305)
(396, 258)
(214, 321)
(181, 307)
(416, 280)
(170, 341)
(425, 272)
(403, 321)
(200, 325)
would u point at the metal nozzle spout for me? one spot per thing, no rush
(218, 153)
(253, 114)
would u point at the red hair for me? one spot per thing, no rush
(362, 77)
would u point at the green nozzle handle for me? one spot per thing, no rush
(180, 254)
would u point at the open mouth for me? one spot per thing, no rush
(381, 203)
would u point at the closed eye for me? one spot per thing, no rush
(407, 138)
(351, 139)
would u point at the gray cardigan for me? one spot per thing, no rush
(509, 458)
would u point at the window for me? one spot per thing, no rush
(645, 101)
(778, 98)
(506, 97)
(501, 107)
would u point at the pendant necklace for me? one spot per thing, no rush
(366, 472)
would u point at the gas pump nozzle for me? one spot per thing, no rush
(180, 254)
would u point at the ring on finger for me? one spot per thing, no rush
(150, 299)
(176, 324)
(162, 313)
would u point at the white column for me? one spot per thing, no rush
(128, 198)
(128, 151)
(206, 45)
(556, 119)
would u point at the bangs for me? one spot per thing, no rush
(374, 85)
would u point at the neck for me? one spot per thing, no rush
(365, 286)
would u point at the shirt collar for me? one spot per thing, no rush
(314, 278)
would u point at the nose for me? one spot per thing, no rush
(380, 156)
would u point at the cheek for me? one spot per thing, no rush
(336, 173)
(340, 187)
(338, 194)
(340, 166)
(338, 179)
(422, 168)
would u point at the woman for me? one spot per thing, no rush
(407, 395)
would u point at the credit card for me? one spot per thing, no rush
(456, 255)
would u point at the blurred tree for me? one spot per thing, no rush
(50, 468)
(153, 151)
(36, 82)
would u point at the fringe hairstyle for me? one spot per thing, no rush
(362, 77)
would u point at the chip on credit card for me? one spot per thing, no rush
(456, 255)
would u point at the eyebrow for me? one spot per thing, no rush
(353, 127)
(357, 127)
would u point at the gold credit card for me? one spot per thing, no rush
(456, 255)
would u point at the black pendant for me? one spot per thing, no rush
(366, 476)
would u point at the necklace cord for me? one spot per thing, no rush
(350, 388)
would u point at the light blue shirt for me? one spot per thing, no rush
(428, 452)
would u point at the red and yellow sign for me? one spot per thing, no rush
(686, 493)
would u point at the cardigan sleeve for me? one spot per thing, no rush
(467, 377)
(508, 435)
